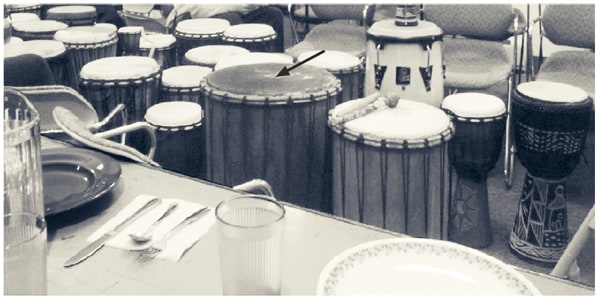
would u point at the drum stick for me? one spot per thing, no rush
(363, 106)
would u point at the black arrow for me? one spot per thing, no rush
(285, 70)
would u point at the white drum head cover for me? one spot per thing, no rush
(475, 105)
(552, 91)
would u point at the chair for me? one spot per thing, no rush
(27, 70)
(339, 32)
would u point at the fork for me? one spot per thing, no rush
(157, 247)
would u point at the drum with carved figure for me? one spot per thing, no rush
(197, 32)
(252, 36)
(73, 15)
(406, 60)
(273, 128)
(550, 127)
(53, 51)
(479, 121)
(209, 55)
(391, 165)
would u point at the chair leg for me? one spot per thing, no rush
(510, 150)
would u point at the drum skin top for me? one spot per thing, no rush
(202, 26)
(253, 58)
(131, 29)
(86, 34)
(78, 11)
(21, 17)
(388, 29)
(260, 80)
(119, 68)
(156, 40)
(552, 92)
(174, 114)
(210, 54)
(43, 48)
(474, 105)
(39, 26)
(248, 30)
(409, 120)
(331, 60)
(184, 76)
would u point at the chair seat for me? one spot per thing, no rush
(574, 67)
(474, 63)
(336, 35)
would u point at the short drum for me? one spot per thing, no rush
(164, 45)
(198, 32)
(277, 133)
(37, 29)
(53, 51)
(73, 15)
(209, 55)
(252, 36)
(182, 83)
(391, 166)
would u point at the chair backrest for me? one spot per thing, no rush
(27, 70)
(570, 25)
(329, 12)
(479, 21)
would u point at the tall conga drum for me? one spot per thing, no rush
(85, 44)
(252, 36)
(73, 15)
(391, 165)
(37, 29)
(130, 80)
(272, 128)
(182, 83)
(179, 140)
(479, 121)
(406, 60)
(164, 45)
(198, 32)
(253, 58)
(346, 67)
(53, 51)
(550, 126)
(209, 55)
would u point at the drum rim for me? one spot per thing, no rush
(266, 38)
(179, 34)
(154, 76)
(543, 105)
(180, 89)
(112, 40)
(488, 119)
(187, 127)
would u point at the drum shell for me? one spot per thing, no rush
(476, 145)
(80, 54)
(403, 190)
(181, 149)
(352, 82)
(549, 136)
(192, 94)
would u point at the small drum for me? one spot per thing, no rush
(37, 29)
(198, 32)
(73, 15)
(179, 141)
(254, 58)
(346, 67)
(551, 122)
(131, 80)
(479, 121)
(53, 51)
(209, 55)
(276, 132)
(391, 167)
(23, 8)
(129, 38)
(85, 44)
(252, 36)
(182, 83)
(405, 60)
(165, 50)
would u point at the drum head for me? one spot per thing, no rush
(552, 92)
(210, 54)
(174, 114)
(156, 40)
(474, 105)
(184, 76)
(23, 17)
(202, 26)
(100, 32)
(119, 68)
(39, 26)
(387, 29)
(253, 58)
(43, 48)
(331, 60)
(71, 11)
(249, 31)
(256, 82)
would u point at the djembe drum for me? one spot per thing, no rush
(179, 140)
(253, 58)
(130, 80)
(276, 132)
(53, 51)
(164, 45)
(85, 44)
(198, 32)
(406, 60)
(255, 37)
(346, 67)
(128, 39)
(182, 83)
(479, 121)
(551, 121)
(390, 165)
(73, 15)
(37, 29)
(209, 55)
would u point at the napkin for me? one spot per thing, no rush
(178, 242)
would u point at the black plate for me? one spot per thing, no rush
(75, 176)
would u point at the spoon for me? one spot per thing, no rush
(147, 235)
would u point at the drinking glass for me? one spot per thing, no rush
(250, 239)
(24, 254)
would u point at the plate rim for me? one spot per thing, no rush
(107, 179)
(334, 262)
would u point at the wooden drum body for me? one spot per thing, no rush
(252, 36)
(391, 167)
(406, 60)
(271, 128)
(479, 121)
(182, 83)
(551, 121)
(198, 32)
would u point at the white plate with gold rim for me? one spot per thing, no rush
(418, 266)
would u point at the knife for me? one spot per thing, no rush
(92, 248)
